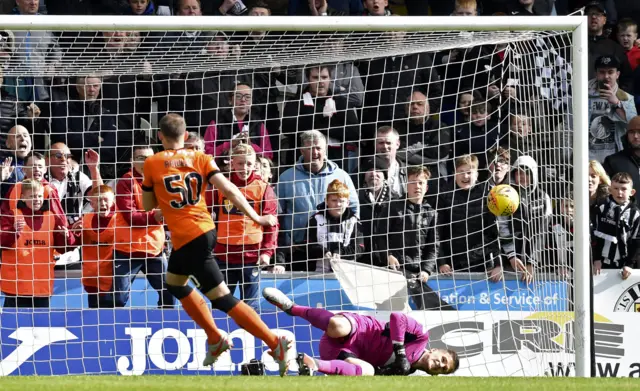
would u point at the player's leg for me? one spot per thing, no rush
(246, 317)
(337, 357)
(178, 270)
(335, 326)
(211, 283)
(350, 366)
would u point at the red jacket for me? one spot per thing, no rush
(634, 57)
(126, 206)
(248, 254)
(34, 220)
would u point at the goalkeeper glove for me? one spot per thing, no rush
(401, 363)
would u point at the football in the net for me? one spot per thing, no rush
(503, 200)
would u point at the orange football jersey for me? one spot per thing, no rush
(179, 179)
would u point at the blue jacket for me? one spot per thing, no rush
(299, 194)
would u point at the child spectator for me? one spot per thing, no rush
(141, 7)
(531, 222)
(97, 239)
(463, 114)
(29, 236)
(413, 239)
(195, 142)
(265, 168)
(627, 37)
(34, 168)
(519, 142)
(334, 231)
(244, 247)
(498, 159)
(469, 232)
(376, 8)
(616, 224)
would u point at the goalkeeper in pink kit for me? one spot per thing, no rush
(359, 345)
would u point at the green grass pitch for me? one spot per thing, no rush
(333, 383)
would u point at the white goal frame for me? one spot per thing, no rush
(574, 24)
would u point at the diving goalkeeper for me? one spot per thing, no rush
(359, 345)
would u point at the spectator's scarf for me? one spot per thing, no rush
(341, 233)
(151, 10)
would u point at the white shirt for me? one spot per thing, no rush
(61, 186)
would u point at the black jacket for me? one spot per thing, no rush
(342, 126)
(413, 238)
(81, 124)
(388, 82)
(374, 217)
(196, 95)
(468, 231)
(624, 161)
(14, 113)
(428, 143)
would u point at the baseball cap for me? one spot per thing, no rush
(607, 62)
(595, 4)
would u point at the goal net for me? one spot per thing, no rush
(343, 121)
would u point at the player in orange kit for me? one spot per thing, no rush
(175, 181)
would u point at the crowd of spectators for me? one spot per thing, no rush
(385, 161)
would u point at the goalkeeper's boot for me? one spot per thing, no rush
(280, 354)
(306, 365)
(278, 298)
(215, 351)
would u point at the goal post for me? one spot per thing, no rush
(425, 35)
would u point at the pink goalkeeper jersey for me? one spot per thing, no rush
(370, 340)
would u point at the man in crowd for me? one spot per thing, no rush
(301, 189)
(18, 148)
(610, 109)
(387, 145)
(600, 45)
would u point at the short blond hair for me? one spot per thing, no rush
(471, 160)
(243, 150)
(31, 186)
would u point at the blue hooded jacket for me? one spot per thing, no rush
(300, 192)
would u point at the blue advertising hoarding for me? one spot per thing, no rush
(130, 342)
(464, 293)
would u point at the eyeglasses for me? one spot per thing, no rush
(243, 97)
(62, 156)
